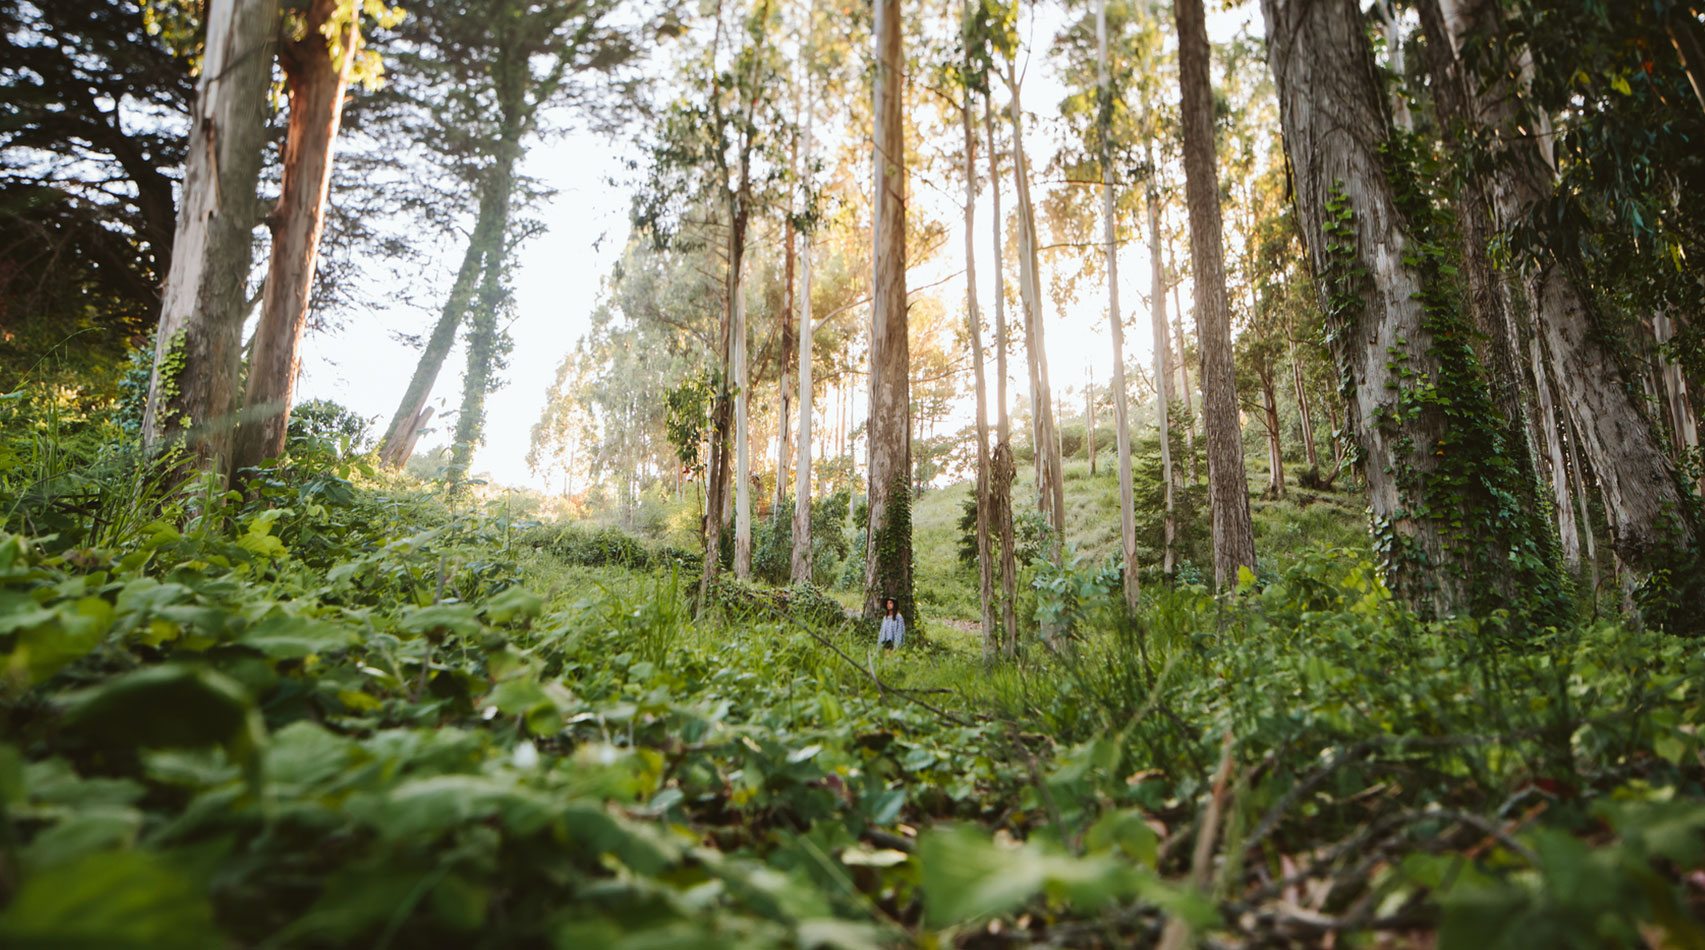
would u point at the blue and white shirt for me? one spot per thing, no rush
(893, 630)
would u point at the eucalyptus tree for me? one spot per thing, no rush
(321, 52)
(1109, 131)
(473, 80)
(192, 391)
(719, 146)
(1050, 476)
(1429, 437)
(1653, 515)
(1228, 486)
(800, 562)
(972, 75)
(1002, 467)
(888, 553)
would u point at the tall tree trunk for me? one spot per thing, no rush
(1303, 409)
(1651, 511)
(1089, 417)
(487, 238)
(1424, 421)
(717, 470)
(888, 555)
(1001, 473)
(801, 562)
(788, 339)
(1678, 404)
(1050, 480)
(1162, 381)
(1270, 422)
(1392, 31)
(192, 391)
(1568, 529)
(486, 340)
(1490, 301)
(784, 385)
(1228, 485)
(1115, 323)
(1184, 387)
(315, 80)
(974, 325)
(484, 345)
(742, 398)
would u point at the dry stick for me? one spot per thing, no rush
(1178, 932)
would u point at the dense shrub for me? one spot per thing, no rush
(608, 547)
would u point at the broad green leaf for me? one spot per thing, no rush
(170, 706)
(304, 758)
(74, 629)
(516, 603)
(89, 831)
(966, 876)
(287, 637)
(118, 899)
(454, 618)
(422, 809)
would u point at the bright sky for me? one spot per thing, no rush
(558, 281)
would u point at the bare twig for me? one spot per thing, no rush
(1177, 932)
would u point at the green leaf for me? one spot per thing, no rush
(283, 636)
(885, 806)
(171, 706)
(422, 809)
(1128, 833)
(86, 832)
(966, 876)
(122, 899)
(79, 627)
(516, 603)
(454, 618)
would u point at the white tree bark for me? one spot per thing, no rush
(1050, 480)
(802, 566)
(193, 388)
(1116, 327)
(1162, 377)
(742, 437)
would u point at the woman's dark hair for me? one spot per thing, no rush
(890, 605)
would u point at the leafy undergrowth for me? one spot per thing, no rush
(331, 716)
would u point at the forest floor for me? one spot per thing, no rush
(338, 712)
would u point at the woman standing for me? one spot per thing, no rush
(893, 626)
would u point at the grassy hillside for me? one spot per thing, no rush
(1284, 528)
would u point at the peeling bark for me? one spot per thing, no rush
(1651, 512)
(1446, 543)
(192, 392)
(316, 79)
